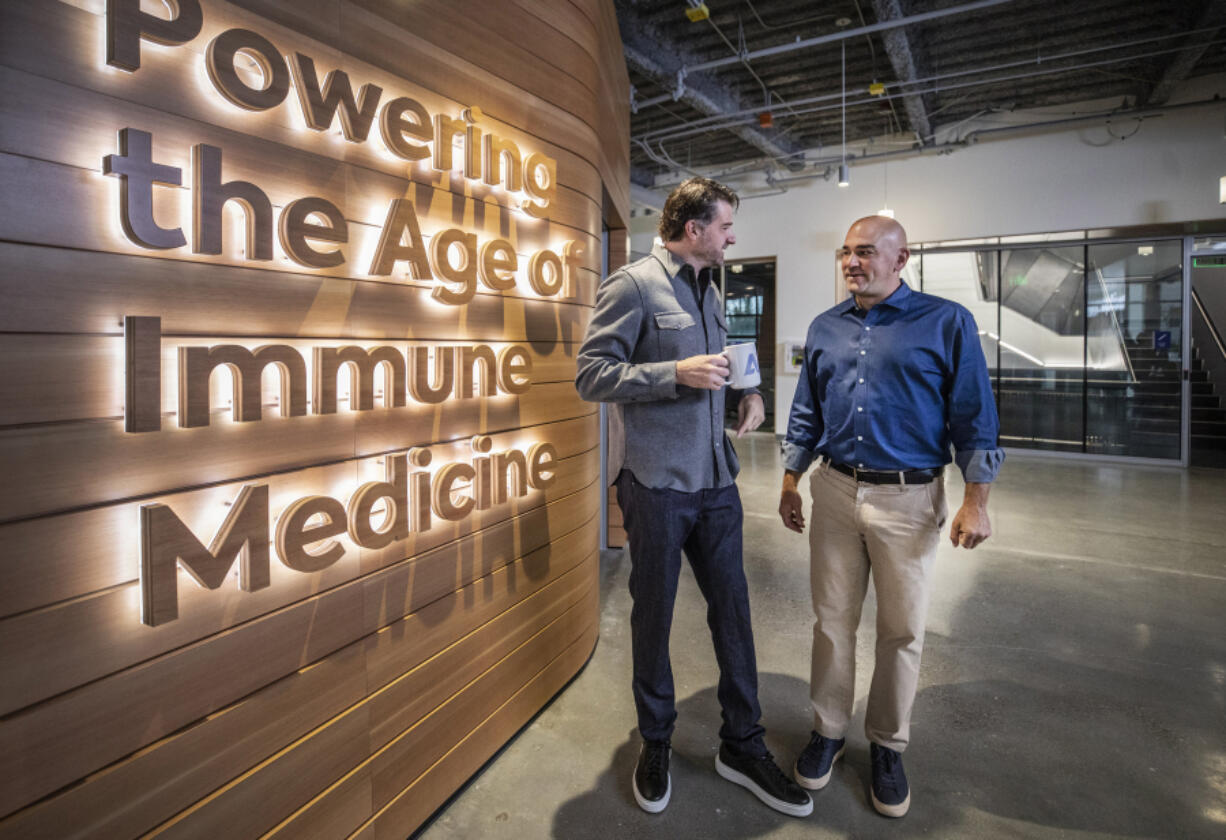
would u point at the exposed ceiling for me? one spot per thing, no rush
(700, 87)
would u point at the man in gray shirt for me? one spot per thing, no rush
(654, 349)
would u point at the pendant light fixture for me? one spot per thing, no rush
(885, 203)
(844, 172)
(885, 179)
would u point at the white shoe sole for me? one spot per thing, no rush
(819, 783)
(656, 806)
(895, 811)
(778, 804)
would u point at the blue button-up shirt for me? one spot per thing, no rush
(894, 388)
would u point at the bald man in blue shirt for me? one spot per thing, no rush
(892, 380)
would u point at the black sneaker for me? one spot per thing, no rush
(764, 780)
(816, 762)
(891, 797)
(652, 783)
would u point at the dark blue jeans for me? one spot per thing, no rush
(660, 523)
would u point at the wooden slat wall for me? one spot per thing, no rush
(354, 700)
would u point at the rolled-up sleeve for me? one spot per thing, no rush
(974, 428)
(980, 465)
(605, 370)
(805, 424)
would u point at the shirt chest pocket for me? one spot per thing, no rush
(677, 335)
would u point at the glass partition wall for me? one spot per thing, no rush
(1083, 341)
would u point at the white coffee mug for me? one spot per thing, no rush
(743, 368)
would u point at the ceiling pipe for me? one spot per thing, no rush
(655, 100)
(1213, 15)
(825, 164)
(715, 121)
(974, 136)
(673, 133)
(1135, 113)
(847, 33)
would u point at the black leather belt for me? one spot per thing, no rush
(887, 476)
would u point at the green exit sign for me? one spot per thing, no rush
(1209, 262)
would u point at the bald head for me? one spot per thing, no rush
(872, 258)
(882, 229)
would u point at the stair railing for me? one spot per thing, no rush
(1115, 323)
(1213, 330)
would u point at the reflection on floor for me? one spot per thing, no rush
(1074, 681)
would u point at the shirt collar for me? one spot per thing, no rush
(899, 299)
(674, 264)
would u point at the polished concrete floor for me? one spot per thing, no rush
(1073, 686)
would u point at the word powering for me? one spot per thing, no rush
(305, 530)
(406, 128)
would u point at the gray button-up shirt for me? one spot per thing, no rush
(647, 318)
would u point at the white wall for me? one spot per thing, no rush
(1078, 178)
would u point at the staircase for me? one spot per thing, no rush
(1042, 408)
(1154, 408)
(1208, 416)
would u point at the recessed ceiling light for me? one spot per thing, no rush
(843, 21)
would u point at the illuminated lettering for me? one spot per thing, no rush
(395, 493)
(165, 541)
(470, 358)
(455, 256)
(446, 128)
(406, 128)
(126, 25)
(306, 533)
(362, 364)
(514, 369)
(429, 374)
(540, 183)
(319, 108)
(545, 273)
(504, 462)
(246, 367)
(209, 195)
(542, 458)
(137, 174)
(296, 228)
(465, 274)
(495, 152)
(142, 338)
(219, 61)
(401, 220)
(426, 386)
(394, 126)
(499, 262)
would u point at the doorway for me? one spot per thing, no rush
(1206, 368)
(749, 308)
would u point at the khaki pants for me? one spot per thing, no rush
(892, 530)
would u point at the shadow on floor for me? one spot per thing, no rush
(993, 750)
(1039, 717)
(702, 803)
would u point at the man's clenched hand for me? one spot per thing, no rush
(707, 372)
